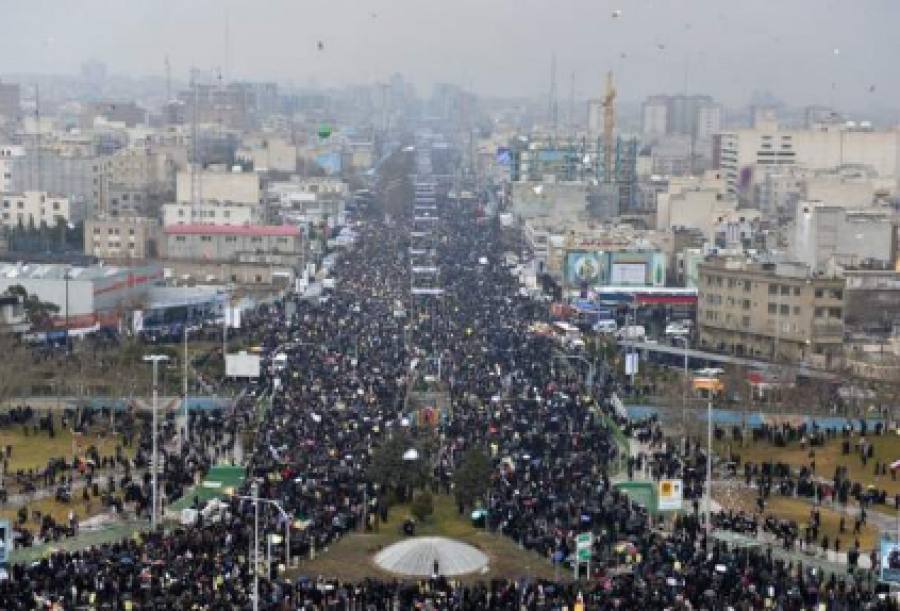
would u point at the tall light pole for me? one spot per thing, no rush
(155, 359)
(684, 340)
(184, 401)
(255, 492)
(709, 436)
(254, 496)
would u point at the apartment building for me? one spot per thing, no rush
(770, 311)
(122, 238)
(212, 213)
(234, 244)
(36, 208)
(740, 152)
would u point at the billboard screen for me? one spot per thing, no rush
(628, 274)
(890, 561)
(242, 365)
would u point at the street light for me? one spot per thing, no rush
(684, 340)
(155, 359)
(254, 496)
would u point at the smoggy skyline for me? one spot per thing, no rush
(804, 51)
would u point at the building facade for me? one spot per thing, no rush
(212, 213)
(238, 244)
(770, 311)
(122, 238)
(37, 208)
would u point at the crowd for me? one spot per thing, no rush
(352, 358)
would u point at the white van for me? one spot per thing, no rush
(607, 326)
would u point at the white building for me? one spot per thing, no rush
(654, 123)
(211, 212)
(709, 122)
(7, 153)
(739, 152)
(37, 208)
(269, 155)
(595, 116)
(823, 232)
(220, 185)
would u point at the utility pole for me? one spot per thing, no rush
(185, 427)
(255, 493)
(154, 467)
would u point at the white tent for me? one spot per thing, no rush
(416, 557)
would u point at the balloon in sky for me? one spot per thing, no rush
(325, 131)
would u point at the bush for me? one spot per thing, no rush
(422, 506)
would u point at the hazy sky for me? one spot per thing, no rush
(803, 50)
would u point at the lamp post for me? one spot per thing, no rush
(154, 467)
(184, 401)
(684, 340)
(709, 436)
(254, 550)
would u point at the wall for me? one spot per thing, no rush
(239, 187)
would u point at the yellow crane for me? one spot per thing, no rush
(609, 127)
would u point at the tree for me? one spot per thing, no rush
(39, 313)
(473, 478)
(393, 472)
(422, 505)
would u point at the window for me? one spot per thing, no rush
(820, 312)
(796, 291)
(56, 206)
(837, 294)
(206, 238)
(773, 308)
(131, 232)
(796, 310)
(820, 293)
(785, 290)
(785, 309)
(96, 230)
(180, 238)
(773, 289)
(835, 312)
(745, 321)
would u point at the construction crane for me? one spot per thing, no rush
(609, 127)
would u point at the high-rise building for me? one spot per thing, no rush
(10, 101)
(653, 123)
(683, 111)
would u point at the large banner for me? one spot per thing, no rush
(890, 561)
(584, 268)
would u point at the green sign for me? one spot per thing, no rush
(584, 555)
(584, 540)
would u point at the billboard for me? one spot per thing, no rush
(670, 495)
(504, 156)
(6, 542)
(890, 561)
(585, 268)
(242, 365)
(626, 274)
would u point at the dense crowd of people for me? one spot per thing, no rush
(352, 358)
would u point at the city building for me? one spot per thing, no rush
(775, 311)
(38, 208)
(240, 244)
(269, 154)
(76, 178)
(824, 233)
(10, 101)
(653, 118)
(219, 184)
(211, 212)
(740, 152)
(113, 238)
(8, 152)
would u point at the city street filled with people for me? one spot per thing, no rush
(353, 355)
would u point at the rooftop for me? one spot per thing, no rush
(251, 230)
(44, 271)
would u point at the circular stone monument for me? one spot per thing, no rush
(416, 557)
